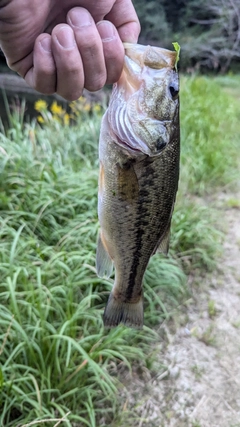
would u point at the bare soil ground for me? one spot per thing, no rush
(200, 386)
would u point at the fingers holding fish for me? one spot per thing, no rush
(89, 44)
(42, 76)
(68, 63)
(113, 50)
(56, 60)
(124, 17)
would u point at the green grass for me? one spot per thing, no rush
(196, 237)
(55, 356)
(210, 127)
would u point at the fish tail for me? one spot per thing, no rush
(127, 313)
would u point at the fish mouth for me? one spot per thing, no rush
(139, 56)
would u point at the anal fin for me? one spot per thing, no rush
(104, 264)
(164, 242)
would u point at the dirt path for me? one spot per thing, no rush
(205, 356)
(201, 385)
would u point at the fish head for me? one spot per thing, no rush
(144, 108)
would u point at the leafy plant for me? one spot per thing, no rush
(55, 356)
(209, 120)
(56, 360)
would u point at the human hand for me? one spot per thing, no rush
(65, 45)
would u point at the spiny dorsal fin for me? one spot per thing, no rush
(104, 264)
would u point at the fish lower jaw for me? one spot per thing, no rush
(124, 145)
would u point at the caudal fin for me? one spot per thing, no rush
(129, 314)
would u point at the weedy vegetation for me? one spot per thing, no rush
(210, 138)
(58, 366)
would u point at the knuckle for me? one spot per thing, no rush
(89, 43)
(47, 73)
(71, 69)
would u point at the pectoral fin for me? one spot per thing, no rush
(104, 264)
(128, 187)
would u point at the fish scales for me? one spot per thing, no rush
(139, 170)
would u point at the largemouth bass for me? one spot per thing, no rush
(139, 170)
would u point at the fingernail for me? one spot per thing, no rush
(106, 31)
(79, 18)
(65, 37)
(46, 44)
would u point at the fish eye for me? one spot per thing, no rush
(174, 92)
(160, 144)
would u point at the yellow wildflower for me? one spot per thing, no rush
(66, 119)
(97, 108)
(72, 105)
(87, 107)
(40, 119)
(40, 105)
(57, 109)
(75, 108)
